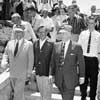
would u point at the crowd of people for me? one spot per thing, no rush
(61, 46)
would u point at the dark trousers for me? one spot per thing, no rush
(91, 75)
(66, 93)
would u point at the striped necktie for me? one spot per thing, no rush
(61, 59)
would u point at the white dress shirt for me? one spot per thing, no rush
(42, 42)
(94, 45)
(66, 47)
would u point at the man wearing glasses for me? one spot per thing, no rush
(90, 42)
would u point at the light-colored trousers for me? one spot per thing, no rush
(45, 87)
(18, 85)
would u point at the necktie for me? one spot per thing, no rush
(16, 49)
(89, 42)
(61, 60)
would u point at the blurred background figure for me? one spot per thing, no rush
(29, 33)
(48, 23)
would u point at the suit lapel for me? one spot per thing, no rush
(37, 46)
(20, 48)
(44, 45)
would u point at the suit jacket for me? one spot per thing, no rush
(42, 58)
(73, 60)
(22, 63)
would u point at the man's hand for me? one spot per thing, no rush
(81, 80)
(51, 79)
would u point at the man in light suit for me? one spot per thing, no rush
(65, 71)
(19, 55)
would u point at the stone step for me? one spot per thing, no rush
(36, 96)
(56, 91)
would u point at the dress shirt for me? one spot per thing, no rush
(42, 42)
(29, 33)
(66, 47)
(20, 42)
(95, 43)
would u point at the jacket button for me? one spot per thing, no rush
(39, 62)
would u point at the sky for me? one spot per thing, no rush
(84, 5)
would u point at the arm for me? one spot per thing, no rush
(98, 50)
(81, 63)
(53, 63)
(32, 32)
(30, 59)
(5, 59)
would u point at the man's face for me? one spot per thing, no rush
(60, 2)
(16, 20)
(19, 35)
(71, 12)
(91, 23)
(42, 33)
(66, 35)
(31, 13)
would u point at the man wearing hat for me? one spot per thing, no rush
(67, 57)
(48, 23)
(35, 17)
(29, 32)
(19, 57)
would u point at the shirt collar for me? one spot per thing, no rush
(43, 40)
(19, 40)
(91, 32)
(67, 42)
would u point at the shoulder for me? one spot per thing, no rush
(10, 42)
(38, 17)
(84, 32)
(97, 33)
(49, 43)
(25, 23)
(57, 44)
(28, 42)
(76, 45)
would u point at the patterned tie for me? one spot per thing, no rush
(16, 49)
(89, 42)
(61, 59)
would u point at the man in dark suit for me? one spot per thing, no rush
(64, 67)
(43, 51)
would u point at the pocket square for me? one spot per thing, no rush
(72, 54)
